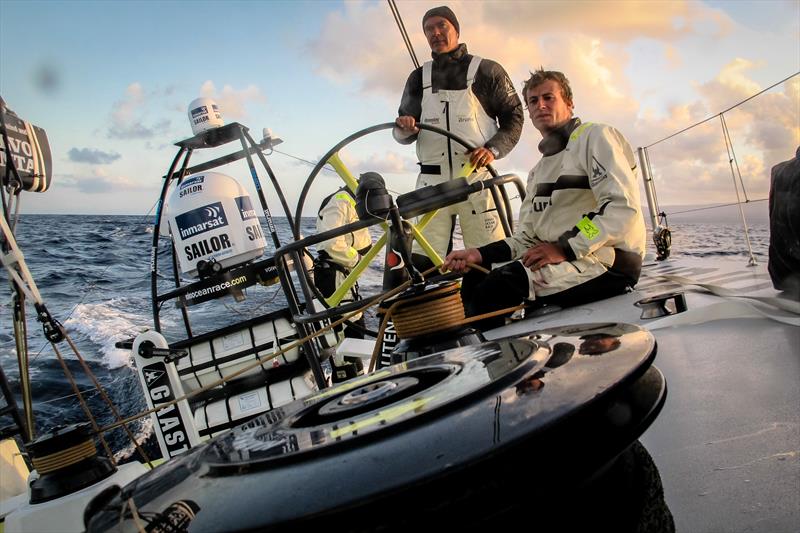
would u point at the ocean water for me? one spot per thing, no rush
(93, 273)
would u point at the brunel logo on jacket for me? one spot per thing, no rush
(201, 220)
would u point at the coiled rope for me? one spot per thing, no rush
(437, 310)
(64, 458)
(422, 309)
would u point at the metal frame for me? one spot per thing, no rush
(210, 139)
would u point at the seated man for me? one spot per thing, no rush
(581, 235)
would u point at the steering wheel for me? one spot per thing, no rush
(332, 158)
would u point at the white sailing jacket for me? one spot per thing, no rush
(585, 197)
(338, 210)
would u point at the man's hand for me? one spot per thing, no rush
(457, 260)
(407, 124)
(480, 157)
(545, 253)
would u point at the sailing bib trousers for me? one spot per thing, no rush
(442, 159)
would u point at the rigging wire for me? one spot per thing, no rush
(721, 112)
(311, 163)
(325, 168)
(705, 208)
(406, 39)
(731, 160)
(732, 155)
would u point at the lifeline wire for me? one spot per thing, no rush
(721, 112)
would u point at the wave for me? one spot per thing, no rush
(105, 324)
(142, 434)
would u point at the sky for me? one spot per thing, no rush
(110, 82)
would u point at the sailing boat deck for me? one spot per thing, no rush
(726, 442)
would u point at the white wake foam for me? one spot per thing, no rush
(105, 324)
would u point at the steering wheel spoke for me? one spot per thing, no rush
(341, 169)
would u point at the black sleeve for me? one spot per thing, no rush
(495, 252)
(411, 101)
(499, 99)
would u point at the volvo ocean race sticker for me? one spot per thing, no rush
(201, 220)
(229, 282)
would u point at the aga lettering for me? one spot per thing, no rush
(173, 431)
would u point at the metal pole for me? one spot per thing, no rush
(729, 147)
(649, 188)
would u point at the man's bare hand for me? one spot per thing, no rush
(408, 124)
(545, 253)
(480, 157)
(457, 260)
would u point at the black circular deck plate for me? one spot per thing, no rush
(537, 404)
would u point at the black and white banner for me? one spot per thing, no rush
(29, 150)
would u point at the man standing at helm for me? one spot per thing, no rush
(472, 98)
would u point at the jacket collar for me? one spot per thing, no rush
(557, 139)
(453, 56)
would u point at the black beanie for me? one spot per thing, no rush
(444, 12)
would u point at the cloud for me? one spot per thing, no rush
(129, 117)
(232, 102)
(621, 20)
(99, 182)
(380, 63)
(385, 163)
(599, 50)
(699, 165)
(377, 62)
(95, 157)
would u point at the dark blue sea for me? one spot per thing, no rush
(93, 273)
